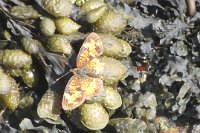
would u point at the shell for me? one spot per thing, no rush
(111, 22)
(66, 26)
(60, 43)
(114, 47)
(24, 12)
(7, 82)
(47, 26)
(11, 99)
(15, 58)
(93, 15)
(98, 119)
(58, 8)
(91, 4)
(113, 70)
(30, 45)
(50, 105)
(30, 77)
(112, 99)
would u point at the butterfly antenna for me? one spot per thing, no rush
(61, 77)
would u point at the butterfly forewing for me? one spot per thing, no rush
(73, 95)
(91, 48)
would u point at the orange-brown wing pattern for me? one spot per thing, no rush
(73, 95)
(91, 86)
(94, 68)
(91, 48)
(81, 86)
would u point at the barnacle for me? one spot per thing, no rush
(179, 48)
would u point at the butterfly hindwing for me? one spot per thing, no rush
(91, 86)
(73, 95)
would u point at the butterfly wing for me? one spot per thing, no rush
(91, 48)
(91, 86)
(73, 95)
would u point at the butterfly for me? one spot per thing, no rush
(85, 83)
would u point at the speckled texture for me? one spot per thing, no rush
(93, 15)
(6, 82)
(91, 4)
(66, 26)
(164, 125)
(30, 45)
(15, 59)
(58, 8)
(14, 72)
(11, 98)
(113, 70)
(127, 125)
(24, 12)
(114, 47)
(50, 105)
(30, 77)
(93, 116)
(60, 43)
(112, 98)
(111, 22)
(47, 26)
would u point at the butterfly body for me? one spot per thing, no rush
(85, 83)
(94, 69)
